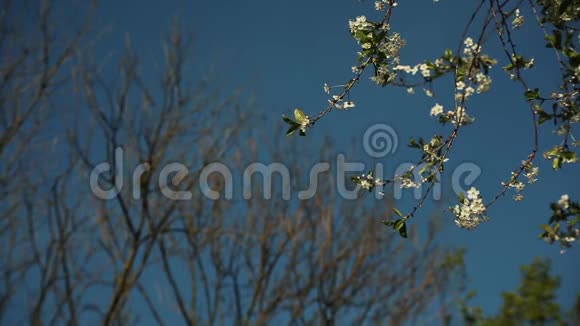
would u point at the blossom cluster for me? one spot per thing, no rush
(470, 213)
(378, 45)
(456, 117)
(389, 50)
(471, 77)
(470, 67)
(359, 24)
(407, 179)
(369, 182)
(473, 71)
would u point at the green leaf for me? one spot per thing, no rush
(543, 115)
(403, 230)
(413, 143)
(558, 39)
(299, 115)
(554, 152)
(399, 224)
(547, 228)
(461, 72)
(426, 167)
(398, 212)
(551, 41)
(532, 94)
(574, 58)
(557, 163)
(569, 156)
(564, 6)
(448, 54)
(432, 177)
(509, 67)
(289, 121)
(292, 129)
(389, 223)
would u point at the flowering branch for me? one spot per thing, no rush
(470, 68)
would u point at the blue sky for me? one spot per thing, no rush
(283, 52)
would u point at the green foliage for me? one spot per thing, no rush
(562, 227)
(533, 303)
(398, 225)
(560, 154)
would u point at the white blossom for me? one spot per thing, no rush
(348, 105)
(437, 109)
(470, 46)
(367, 181)
(469, 91)
(359, 24)
(483, 82)
(407, 69)
(519, 185)
(472, 193)
(379, 5)
(408, 183)
(564, 201)
(529, 64)
(468, 42)
(337, 102)
(459, 113)
(425, 70)
(532, 174)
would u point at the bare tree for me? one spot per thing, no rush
(68, 256)
(33, 72)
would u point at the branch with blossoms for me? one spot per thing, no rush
(470, 68)
(563, 224)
